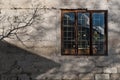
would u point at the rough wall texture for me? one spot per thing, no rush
(43, 59)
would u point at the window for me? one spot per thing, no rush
(83, 32)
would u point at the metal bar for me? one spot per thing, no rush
(91, 47)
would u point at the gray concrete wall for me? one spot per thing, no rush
(44, 40)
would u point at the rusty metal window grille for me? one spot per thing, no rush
(84, 32)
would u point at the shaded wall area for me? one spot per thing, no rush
(17, 63)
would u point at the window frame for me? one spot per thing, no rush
(91, 24)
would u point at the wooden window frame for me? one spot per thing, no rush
(91, 12)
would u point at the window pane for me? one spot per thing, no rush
(83, 33)
(69, 19)
(69, 31)
(98, 33)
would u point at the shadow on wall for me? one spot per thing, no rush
(17, 63)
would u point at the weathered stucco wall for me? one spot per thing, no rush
(44, 40)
